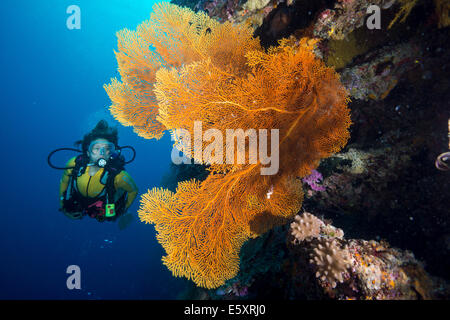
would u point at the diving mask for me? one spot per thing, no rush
(101, 148)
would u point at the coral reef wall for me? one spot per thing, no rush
(384, 184)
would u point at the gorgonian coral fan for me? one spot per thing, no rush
(182, 67)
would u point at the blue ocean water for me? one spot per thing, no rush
(52, 94)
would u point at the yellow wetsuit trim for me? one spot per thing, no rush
(90, 186)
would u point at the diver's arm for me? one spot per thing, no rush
(124, 181)
(63, 187)
(65, 180)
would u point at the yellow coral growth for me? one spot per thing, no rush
(219, 75)
(405, 9)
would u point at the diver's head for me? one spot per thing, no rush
(100, 148)
(101, 142)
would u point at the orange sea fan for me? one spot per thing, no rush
(218, 75)
(203, 225)
(172, 37)
(288, 89)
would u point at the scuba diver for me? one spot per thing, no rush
(95, 183)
